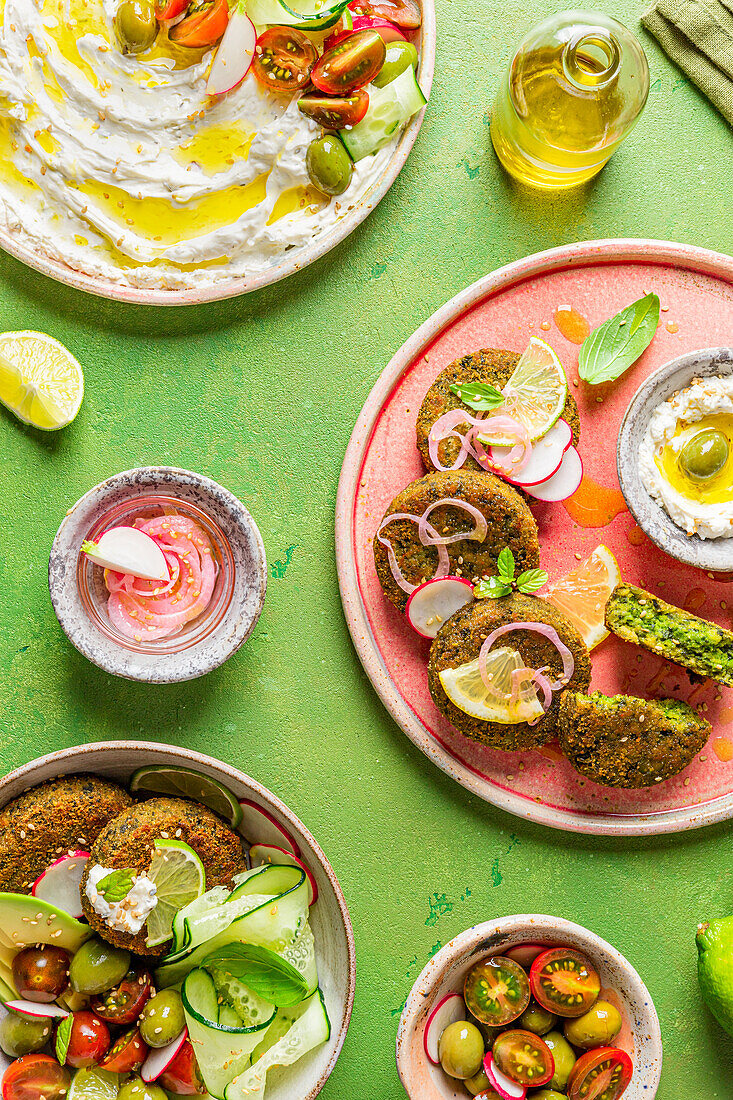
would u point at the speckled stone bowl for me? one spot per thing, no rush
(240, 606)
(712, 555)
(446, 972)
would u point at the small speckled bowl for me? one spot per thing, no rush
(446, 973)
(712, 555)
(74, 582)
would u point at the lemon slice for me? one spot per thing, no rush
(465, 687)
(582, 594)
(535, 394)
(179, 876)
(40, 380)
(93, 1084)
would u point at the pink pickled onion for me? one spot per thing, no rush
(445, 428)
(429, 537)
(477, 535)
(568, 662)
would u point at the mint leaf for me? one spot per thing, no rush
(116, 885)
(505, 564)
(478, 395)
(618, 343)
(492, 589)
(262, 971)
(531, 579)
(63, 1035)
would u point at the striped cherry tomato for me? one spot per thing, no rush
(335, 112)
(351, 64)
(283, 59)
(602, 1074)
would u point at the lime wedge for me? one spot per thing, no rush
(179, 876)
(94, 1084)
(185, 783)
(40, 380)
(535, 394)
(465, 688)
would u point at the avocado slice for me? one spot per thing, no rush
(26, 920)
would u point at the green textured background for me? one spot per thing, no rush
(261, 394)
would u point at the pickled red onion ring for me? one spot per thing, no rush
(549, 632)
(477, 535)
(445, 428)
(429, 537)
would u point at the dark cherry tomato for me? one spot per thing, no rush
(183, 1076)
(496, 991)
(203, 26)
(283, 59)
(564, 981)
(601, 1074)
(405, 13)
(41, 974)
(169, 9)
(89, 1040)
(123, 1004)
(335, 112)
(36, 1077)
(126, 1054)
(351, 64)
(524, 1057)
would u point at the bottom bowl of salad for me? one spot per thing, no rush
(167, 926)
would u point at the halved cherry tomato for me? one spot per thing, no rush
(496, 991)
(351, 64)
(123, 1004)
(35, 1077)
(89, 1040)
(283, 59)
(334, 112)
(203, 26)
(405, 13)
(169, 9)
(183, 1076)
(601, 1074)
(564, 981)
(126, 1054)
(524, 1057)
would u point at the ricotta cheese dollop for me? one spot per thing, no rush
(129, 914)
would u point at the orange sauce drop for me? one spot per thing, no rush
(697, 693)
(551, 751)
(723, 748)
(635, 535)
(594, 505)
(545, 326)
(695, 599)
(725, 714)
(573, 326)
(672, 327)
(658, 679)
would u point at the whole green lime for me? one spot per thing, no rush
(715, 968)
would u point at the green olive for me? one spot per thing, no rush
(537, 1019)
(597, 1027)
(461, 1050)
(329, 165)
(135, 25)
(564, 1056)
(704, 455)
(400, 55)
(21, 1034)
(162, 1018)
(479, 1083)
(137, 1089)
(548, 1094)
(97, 966)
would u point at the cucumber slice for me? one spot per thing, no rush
(228, 1017)
(389, 108)
(212, 899)
(305, 14)
(248, 1006)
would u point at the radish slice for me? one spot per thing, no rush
(545, 460)
(36, 1008)
(435, 601)
(563, 483)
(269, 853)
(448, 1011)
(129, 550)
(507, 1089)
(235, 53)
(260, 827)
(59, 884)
(524, 954)
(158, 1060)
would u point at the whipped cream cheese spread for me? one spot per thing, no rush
(129, 914)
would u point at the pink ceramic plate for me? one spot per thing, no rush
(503, 310)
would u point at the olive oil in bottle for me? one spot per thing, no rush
(573, 91)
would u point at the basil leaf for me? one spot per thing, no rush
(63, 1035)
(480, 396)
(612, 348)
(116, 885)
(262, 971)
(531, 579)
(493, 589)
(505, 564)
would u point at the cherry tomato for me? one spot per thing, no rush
(126, 1054)
(41, 974)
(283, 59)
(405, 13)
(601, 1074)
(496, 991)
(169, 9)
(388, 31)
(334, 112)
(351, 64)
(123, 1004)
(183, 1076)
(89, 1040)
(35, 1077)
(564, 981)
(524, 1057)
(203, 26)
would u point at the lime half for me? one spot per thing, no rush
(465, 688)
(185, 783)
(94, 1084)
(535, 394)
(40, 380)
(715, 969)
(179, 877)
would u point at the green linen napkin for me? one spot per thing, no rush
(698, 36)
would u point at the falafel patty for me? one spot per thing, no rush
(510, 524)
(460, 639)
(128, 841)
(623, 741)
(490, 365)
(55, 817)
